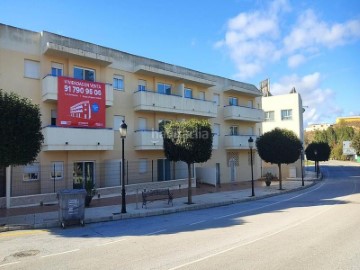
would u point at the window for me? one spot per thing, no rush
(233, 101)
(216, 99)
(202, 95)
(84, 74)
(142, 123)
(31, 69)
(56, 69)
(188, 93)
(143, 165)
(269, 116)
(163, 88)
(118, 82)
(118, 121)
(53, 117)
(142, 85)
(250, 104)
(216, 129)
(57, 170)
(31, 172)
(286, 114)
(234, 130)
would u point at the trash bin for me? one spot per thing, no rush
(72, 207)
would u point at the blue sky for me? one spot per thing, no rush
(313, 46)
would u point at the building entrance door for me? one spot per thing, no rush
(163, 169)
(83, 171)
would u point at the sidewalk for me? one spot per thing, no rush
(108, 209)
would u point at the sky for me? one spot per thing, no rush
(311, 45)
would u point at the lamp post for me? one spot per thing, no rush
(316, 166)
(123, 131)
(251, 145)
(301, 164)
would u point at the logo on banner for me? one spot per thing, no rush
(80, 103)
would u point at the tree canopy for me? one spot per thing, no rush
(279, 146)
(322, 151)
(20, 130)
(355, 143)
(189, 141)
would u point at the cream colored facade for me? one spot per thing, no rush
(27, 60)
(284, 111)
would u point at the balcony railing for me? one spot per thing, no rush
(243, 114)
(50, 90)
(62, 139)
(238, 141)
(152, 101)
(148, 140)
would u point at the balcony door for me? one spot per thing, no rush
(83, 171)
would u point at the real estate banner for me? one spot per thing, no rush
(80, 103)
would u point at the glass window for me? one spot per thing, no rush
(216, 129)
(143, 165)
(118, 121)
(216, 99)
(163, 88)
(286, 114)
(31, 172)
(57, 170)
(233, 101)
(31, 69)
(234, 130)
(84, 74)
(56, 69)
(118, 82)
(269, 116)
(188, 93)
(141, 85)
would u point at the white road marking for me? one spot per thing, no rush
(195, 223)
(7, 264)
(156, 232)
(111, 242)
(61, 253)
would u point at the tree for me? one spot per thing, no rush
(355, 143)
(279, 146)
(20, 130)
(318, 151)
(189, 141)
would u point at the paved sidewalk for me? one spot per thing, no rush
(107, 209)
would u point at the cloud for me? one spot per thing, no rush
(312, 94)
(257, 39)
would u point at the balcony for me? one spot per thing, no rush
(243, 114)
(151, 101)
(148, 140)
(64, 139)
(238, 141)
(50, 90)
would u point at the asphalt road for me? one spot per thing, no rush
(316, 228)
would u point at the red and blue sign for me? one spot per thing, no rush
(80, 103)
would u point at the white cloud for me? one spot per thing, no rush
(256, 39)
(296, 60)
(312, 94)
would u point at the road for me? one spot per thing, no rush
(317, 228)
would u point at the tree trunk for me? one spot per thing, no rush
(189, 184)
(280, 177)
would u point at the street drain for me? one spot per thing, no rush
(26, 253)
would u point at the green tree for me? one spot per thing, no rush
(355, 143)
(279, 146)
(20, 130)
(318, 151)
(189, 141)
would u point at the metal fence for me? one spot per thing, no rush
(41, 179)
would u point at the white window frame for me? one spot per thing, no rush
(59, 170)
(216, 99)
(165, 86)
(234, 130)
(31, 172)
(83, 75)
(118, 78)
(58, 68)
(188, 90)
(269, 116)
(31, 69)
(142, 85)
(233, 101)
(286, 114)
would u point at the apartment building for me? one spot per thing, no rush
(283, 111)
(84, 92)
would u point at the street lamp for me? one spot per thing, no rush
(251, 145)
(123, 131)
(316, 166)
(301, 165)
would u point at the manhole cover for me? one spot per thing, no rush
(26, 253)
